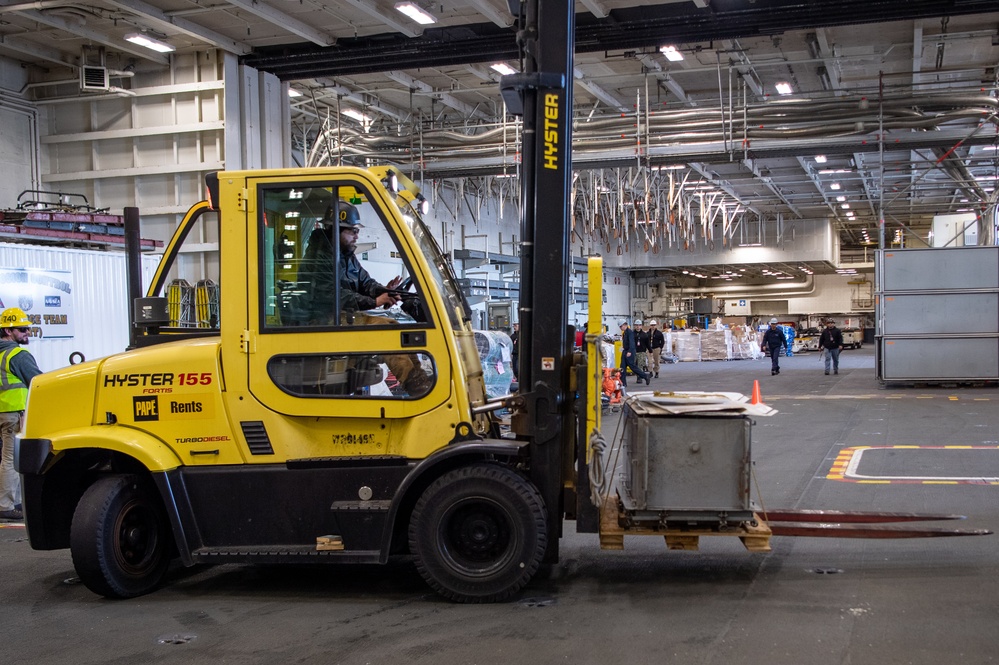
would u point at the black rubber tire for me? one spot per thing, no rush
(120, 538)
(479, 533)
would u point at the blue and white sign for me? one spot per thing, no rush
(46, 296)
(738, 307)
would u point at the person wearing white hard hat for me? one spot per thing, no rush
(657, 341)
(772, 340)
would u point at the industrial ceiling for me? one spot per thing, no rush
(890, 108)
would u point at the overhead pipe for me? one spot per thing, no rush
(113, 93)
(772, 291)
(816, 119)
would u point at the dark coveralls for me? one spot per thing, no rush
(773, 339)
(628, 358)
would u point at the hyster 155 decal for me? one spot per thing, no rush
(157, 379)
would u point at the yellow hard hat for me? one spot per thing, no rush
(14, 317)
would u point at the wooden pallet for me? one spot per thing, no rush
(754, 538)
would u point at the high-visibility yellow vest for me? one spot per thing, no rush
(13, 391)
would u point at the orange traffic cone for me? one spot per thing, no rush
(756, 399)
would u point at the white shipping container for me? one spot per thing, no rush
(99, 299)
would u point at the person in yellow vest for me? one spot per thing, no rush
(17, 369)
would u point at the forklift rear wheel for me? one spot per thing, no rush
(120, 538)
(479, 533)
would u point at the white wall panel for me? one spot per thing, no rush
(100, 304)
(17, 158)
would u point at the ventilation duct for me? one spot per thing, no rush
(93, 73)
(94, 78)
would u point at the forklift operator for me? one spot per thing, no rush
(358, 291)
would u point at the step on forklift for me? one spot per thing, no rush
(278, 418)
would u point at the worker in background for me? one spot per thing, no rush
(772, 340)
(613, 389)
(17, 369)
(831, 340)
(607, 348)
(641, 346)
(657, 341)
(628, 354)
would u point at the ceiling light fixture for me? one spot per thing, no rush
(502, 68)
(841, 198)
(416, 13)
(149, 43)
(820, 159)
(784, 88)
(294, 93)
(356, 115)
(672, 53)
(834, 186)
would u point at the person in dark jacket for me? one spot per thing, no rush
(831, 340)
(628, 355)
(358, 291)
(657, 342)
(773, 340)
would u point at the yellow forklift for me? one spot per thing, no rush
(262, 416)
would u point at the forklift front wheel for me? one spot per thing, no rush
(120, 538)
(479, 533)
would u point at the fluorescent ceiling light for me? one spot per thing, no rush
(784, 88)
(830, 171)
(503, 68)
(820, 159)
(416, 13)
(841, 198)
(294, 93)
(149, 42)
(845, 206)
(356, 115)
(671, 53)
(834, 186)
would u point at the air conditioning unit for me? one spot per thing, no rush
(94, 78)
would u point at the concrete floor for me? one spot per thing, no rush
(809, 601)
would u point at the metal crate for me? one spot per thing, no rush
(686, 467)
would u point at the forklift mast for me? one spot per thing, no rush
(542, 93)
